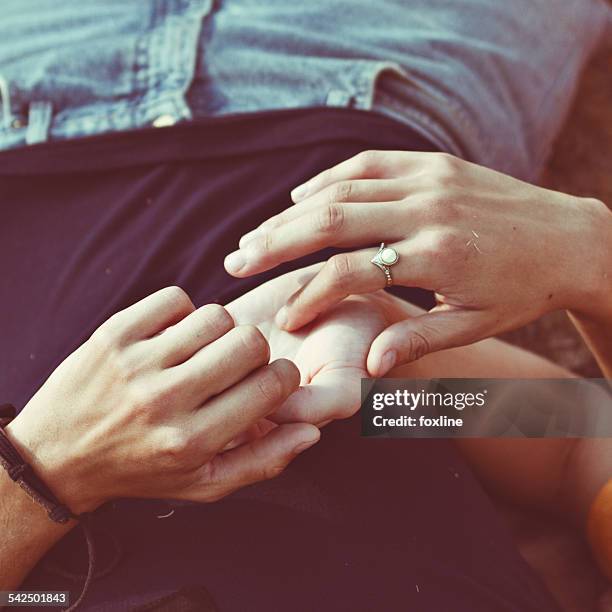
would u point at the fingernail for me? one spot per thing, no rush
(249, 236)
(281, 317)
(299, 192)
(387, 362)
(235, 261)
(302, 446)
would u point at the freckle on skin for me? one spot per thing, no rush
(550, 296)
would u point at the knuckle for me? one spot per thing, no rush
(272, 471)
(142, 400)
(330, 219)
(271, 386)
(439, 250)
(263, 469)
(443, 160)
(444, 245)
(445, 168)
(107, 337)
(341, 270)
(367, 161)
(449, 242)
(125, 366)
(265, 243)
(253, 341)
(178, 298)
(341, 192)
(151, 398)
(217, 317)
(418, 346)
(270, 223)
(176, 445)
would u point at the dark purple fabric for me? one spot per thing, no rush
(89, 227)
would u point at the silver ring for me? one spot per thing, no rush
(384, 259)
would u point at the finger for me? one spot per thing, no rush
(354, 274)
(364, 165)
(327, 398)
(259, 460)
(409, 340)
(198, 329)
(326, 226)
(342, 275)
(368, 190)
(230, 413)
(149, 316)
(220, 365)
(255, 306)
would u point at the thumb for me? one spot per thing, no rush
(260, 459)
(409, 340)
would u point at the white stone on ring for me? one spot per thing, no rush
(385, 257)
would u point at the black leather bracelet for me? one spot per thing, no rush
(22, 473)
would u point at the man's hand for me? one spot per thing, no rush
(330, 353)
(497, 252)
(146, 406)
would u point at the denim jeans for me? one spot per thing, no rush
(488, 80)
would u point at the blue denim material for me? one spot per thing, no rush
(485, 79)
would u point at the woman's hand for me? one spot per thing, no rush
(330, 353)
(146, 406)
(497, 252)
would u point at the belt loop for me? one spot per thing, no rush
(338, 97)
(5, 103)
(39, 122)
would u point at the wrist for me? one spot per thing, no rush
(27, 533)
(589, 288)
(53, 465)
